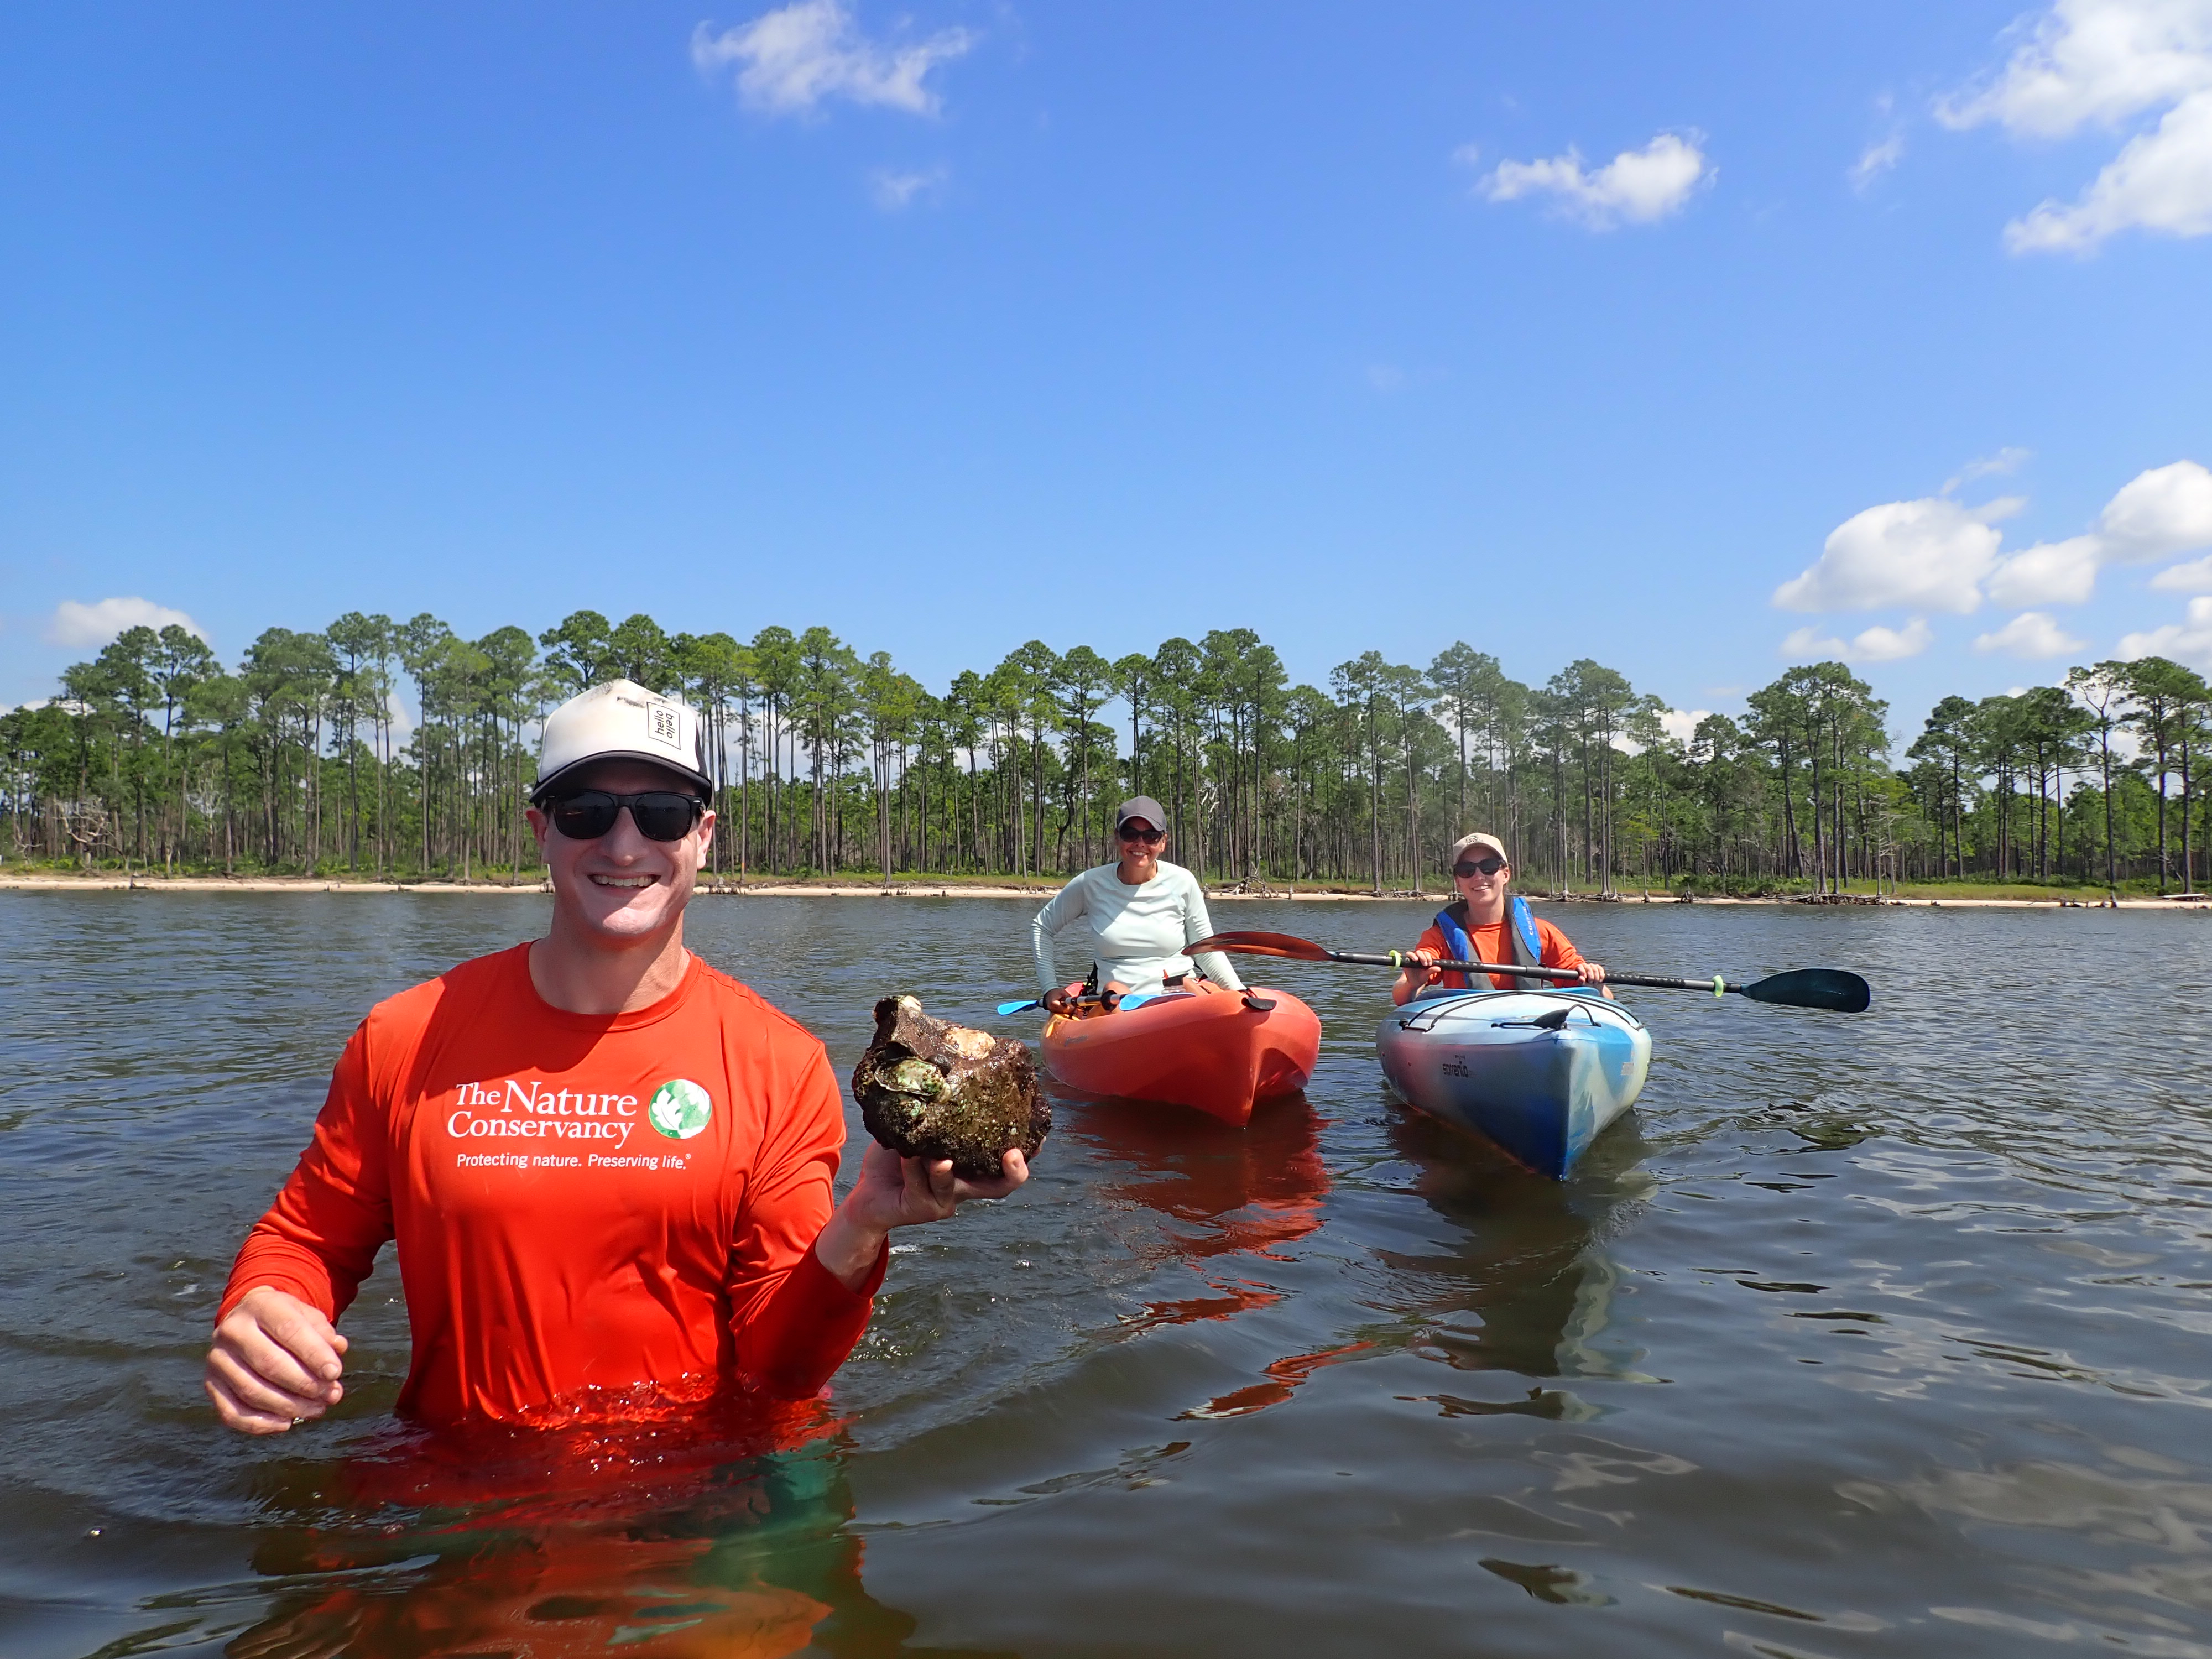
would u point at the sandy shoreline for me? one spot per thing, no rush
(156, 883)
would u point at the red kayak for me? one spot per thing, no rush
(1211, 1051)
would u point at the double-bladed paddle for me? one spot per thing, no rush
(1127, 1000)
(1802, 987)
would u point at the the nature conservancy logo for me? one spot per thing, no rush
(679, 1109)
(530, 1108)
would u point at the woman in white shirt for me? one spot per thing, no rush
(1138, 913)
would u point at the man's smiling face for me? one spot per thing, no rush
(622, 888)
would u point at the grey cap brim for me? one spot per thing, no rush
(1141, 806)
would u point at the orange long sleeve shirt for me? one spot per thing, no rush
(1492, 943)
(594, 1214)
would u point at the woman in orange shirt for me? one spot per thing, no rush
(1488, 924)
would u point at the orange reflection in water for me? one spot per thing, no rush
(719, 1533)
(1283, 1379)
(1238, 1298)
(551, 1599)
(1247, 1193)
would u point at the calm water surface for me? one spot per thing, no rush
(1875, 1336)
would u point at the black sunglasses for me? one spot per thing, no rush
(659, 814)
(1149, 837)
(1478, 867)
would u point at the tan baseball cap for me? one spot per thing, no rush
(1479, 838)
(621, 720)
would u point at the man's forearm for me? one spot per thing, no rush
(849, 1248)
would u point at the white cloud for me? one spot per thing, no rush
(1875, 160)
(2188, 642)
(1890, 644)
(1870, 645)
(1935, 555)
(2050, 572)
(794, 59)
(2158, 513)
(2032, 634)
(2161, 181)
(76, 625)
(2099, 62)
(2094, 61)
(1679, 724)
(2194, 577)
(894, 190)
(2008, 459)
(1930, 554)
(1810, 642)
(1638, 186)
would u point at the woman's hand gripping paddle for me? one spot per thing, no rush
(1127, 1000)
(1801, 987)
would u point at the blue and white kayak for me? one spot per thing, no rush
(1540, 1072)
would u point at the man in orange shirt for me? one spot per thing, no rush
(606, 1166)
(1488, 924)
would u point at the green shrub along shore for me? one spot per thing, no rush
(402, 751)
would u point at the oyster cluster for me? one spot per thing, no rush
(930, 1089)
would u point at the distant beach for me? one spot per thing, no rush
(108, 882)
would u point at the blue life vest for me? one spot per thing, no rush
(1528, 946)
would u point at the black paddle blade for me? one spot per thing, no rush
(1261, 945)
(1814, 987)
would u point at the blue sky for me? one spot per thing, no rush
(959, 324)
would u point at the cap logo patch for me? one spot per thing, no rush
(660, 723)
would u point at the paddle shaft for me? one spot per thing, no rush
(1800, 987)
(1558, 976)
(1112, 1001)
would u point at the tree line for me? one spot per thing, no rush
(303, 758)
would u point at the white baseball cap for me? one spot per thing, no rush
(1489, 843)
(621, 721)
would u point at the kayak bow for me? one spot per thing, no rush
(1218, 1053)
(1540, 1073)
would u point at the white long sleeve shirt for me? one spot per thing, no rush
(1135, 934)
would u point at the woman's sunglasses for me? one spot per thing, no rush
(1478, 867)
(659, 814)
(1149, 837)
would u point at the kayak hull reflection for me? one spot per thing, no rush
(1210, 1052)
(1543, 1092)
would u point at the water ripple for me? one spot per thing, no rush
(1865, 1336)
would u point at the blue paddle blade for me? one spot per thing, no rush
(1134, 1000)
(1139, 998)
